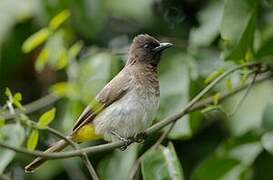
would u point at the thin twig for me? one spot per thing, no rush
(34, 106)
(135, 168)
(177, 116)
(38, 104)
(111, 146)
(238, 105)
(83, 155)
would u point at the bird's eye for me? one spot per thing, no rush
(146, 46)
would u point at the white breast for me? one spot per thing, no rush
(128, 116)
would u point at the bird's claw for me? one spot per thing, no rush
(140, 137)
(126, 141)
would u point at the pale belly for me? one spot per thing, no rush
(130, 115)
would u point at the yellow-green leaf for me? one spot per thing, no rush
(2, 122)
(35, 40)
(18, 97)
(214, 75)
(19, 105)
(229, 85)
(33, 140)
(8, 93)
(42, 60)
(75, 49)
(248, 56)
(62, 61)
(216, 98)
(46, 118)
(59, 19)
(64, 89)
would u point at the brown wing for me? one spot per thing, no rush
(113, 91)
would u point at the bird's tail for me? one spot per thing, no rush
(56, 147)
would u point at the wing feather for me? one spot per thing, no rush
(112, 92)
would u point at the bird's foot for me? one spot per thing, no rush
(126, 141)
(140, 137)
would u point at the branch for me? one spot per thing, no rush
(83, 155)
(172, 120)
(110, 146)
(177, 116)
(34, 106)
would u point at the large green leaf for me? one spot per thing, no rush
(249, 114)
(237, 29)
(117, 165)
(267, 142)
(266, 50)
(13, 135)
(267, 122)
(214, 168)
(231, 160)
(161, 163)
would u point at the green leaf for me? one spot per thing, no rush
(8, 93)
(216, 98)
(42, 60)
(161, 163)
(214, 168)
(237, 29)
(267, 120)
(64, 89)
(35, 40)
(231, 160)
(16, 100)
(46, 118)
(267, 142)
(32, 140)
(214, 75)
(13, 135)
(18, 97)
(75, 49)
(19, 105)
(62, 61)
(59, 19)
(54, 53)
(229, 85)
(266, 49)
(2, 122)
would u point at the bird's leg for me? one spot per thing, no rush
(127, 141)
(140, 137)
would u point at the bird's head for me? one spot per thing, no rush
(146, 49)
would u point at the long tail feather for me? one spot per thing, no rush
(56, 147)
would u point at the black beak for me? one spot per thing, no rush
(162, 47)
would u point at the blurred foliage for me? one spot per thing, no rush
(73, 48)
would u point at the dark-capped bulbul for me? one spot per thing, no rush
(126, 106)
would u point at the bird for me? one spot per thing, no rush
(126, 106)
